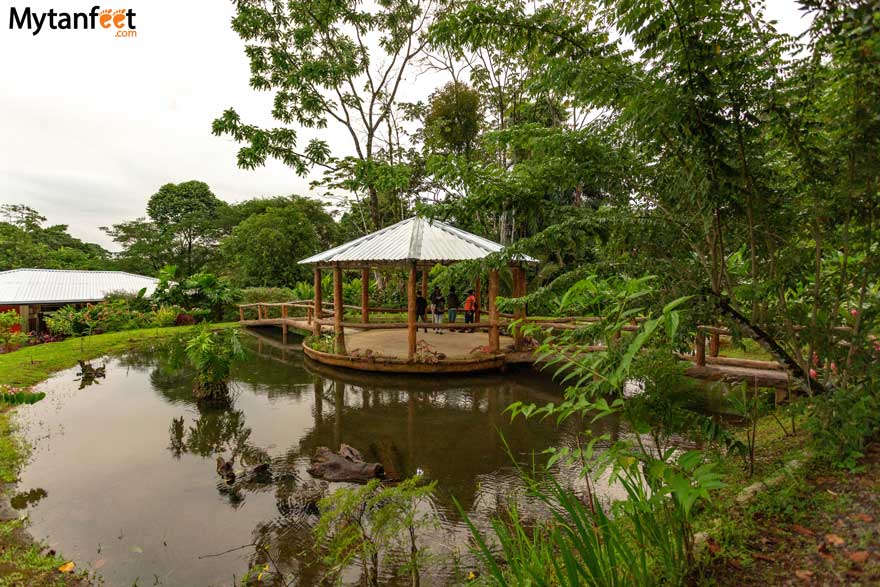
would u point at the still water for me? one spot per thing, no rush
(123, 477)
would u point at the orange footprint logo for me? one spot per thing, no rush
(105, 18)
(119, 18)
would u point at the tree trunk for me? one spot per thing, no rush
(374, 207)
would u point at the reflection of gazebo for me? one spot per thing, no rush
(416, 244)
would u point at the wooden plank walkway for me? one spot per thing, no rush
(457, 345)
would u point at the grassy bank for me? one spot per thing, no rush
(30, 365)
(23, 562)
(813, 525)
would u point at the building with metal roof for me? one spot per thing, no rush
(416, 240)
(34, 291)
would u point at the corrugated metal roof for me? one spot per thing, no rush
(53, 286)
(414, 239)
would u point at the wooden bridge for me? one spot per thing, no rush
(458, 347)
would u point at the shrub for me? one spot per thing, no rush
(202, 290)
(842, 423)
(137, 301)
(165, 316)
(255, 295)
(112, 316)
(8, 337)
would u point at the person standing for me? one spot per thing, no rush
(439, 303)
(421, 309)
(470, 307)
(453, 301)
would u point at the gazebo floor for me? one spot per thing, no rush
(392, 343)
(386, 351)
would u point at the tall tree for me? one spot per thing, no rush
(329, 61)
(187, 214)
(264, 249)
(25, 242)
(145, 248)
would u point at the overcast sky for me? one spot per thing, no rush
(91, 125)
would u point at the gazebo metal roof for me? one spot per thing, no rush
(414, 239)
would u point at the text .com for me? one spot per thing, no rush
(118, 20)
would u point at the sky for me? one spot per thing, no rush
(92, 125)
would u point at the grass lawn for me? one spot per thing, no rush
(22, 561)
(30, 365)
(749, 349)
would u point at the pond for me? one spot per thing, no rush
(123, 476)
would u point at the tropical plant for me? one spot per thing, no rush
(364, 524)
(202, 290)
(646, 539)
(212, 354)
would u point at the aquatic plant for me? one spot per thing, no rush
(644, 540)
(212, 354)
(369, 522)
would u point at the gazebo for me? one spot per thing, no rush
(416, 244)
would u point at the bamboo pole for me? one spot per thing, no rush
(494, 338)
(411, 312)
(283, 324)
(365, 295)
(338, 310)
(317, 308)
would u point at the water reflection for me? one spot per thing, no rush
(131, 474)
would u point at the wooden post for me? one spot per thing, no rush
(24, 316)
(365, 295)
(714, 344)
(478, 287)
(700, 350)
(317, 309)
(338, 310)
(425, 272)
(494, 339)
(283, 324)
(240, 314)
(411, 312)
(519, 287)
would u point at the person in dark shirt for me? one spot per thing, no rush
(453, 302)
(439, 303)
(421, 309)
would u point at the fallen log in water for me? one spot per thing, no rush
(346, 465)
